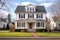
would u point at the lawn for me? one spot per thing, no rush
(28, 34)
(15, 34)
(51, 34)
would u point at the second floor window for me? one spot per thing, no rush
(21, 15)
(30, 15)
(39, 15)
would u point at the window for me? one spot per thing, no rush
(20, 24)
(30, 15)
(39, 16)
(23, 24)
(38, 24)
(21, 15)
(27, 9)
(42, 24)
(30, 9)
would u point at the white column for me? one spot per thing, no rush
(16, 24)
(35, 16)
(26, 16)
(35, 26)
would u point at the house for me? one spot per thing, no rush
(30, 17)
(53, 25)
(57, 23)
(3, 23)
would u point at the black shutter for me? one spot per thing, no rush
(24, 15)
(17, 24)
(41, 16)
(43, 24)
(28, 15)
(19, 15)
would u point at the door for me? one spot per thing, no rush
(30, 25)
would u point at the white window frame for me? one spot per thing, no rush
(20, 15)
(30, 15)
(39, 15)
(22, 24)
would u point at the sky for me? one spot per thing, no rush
(12, 4)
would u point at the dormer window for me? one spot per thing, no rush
(30, 9)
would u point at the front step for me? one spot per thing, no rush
(31, 30)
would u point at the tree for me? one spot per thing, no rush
(12, 27)
(48, 25)
(55, 18)
(55, 7)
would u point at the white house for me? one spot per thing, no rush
(58, 23)
(53, 25)
(30, 17)
(3, 23)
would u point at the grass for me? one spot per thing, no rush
(15, 34)
(28, 34)
(51, 34)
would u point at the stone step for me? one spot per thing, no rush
(31, 30)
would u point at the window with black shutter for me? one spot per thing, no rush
(38, 24)
(30, 15)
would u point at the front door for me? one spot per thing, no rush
(30, 25)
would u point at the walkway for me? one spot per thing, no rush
(34, 34)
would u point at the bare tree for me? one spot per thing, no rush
(55, 7)
(3, 5)
(48, 24)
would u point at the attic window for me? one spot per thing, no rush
(30, 9)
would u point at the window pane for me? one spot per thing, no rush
(38, 15)
(18, 24)
(30, 15)
(22, 15)
(41, 24)
(23, 24)
(38, 24)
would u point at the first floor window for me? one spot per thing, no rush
(20, 24)
(23, 24)
(38, 24)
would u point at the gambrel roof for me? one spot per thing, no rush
(37, 8)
